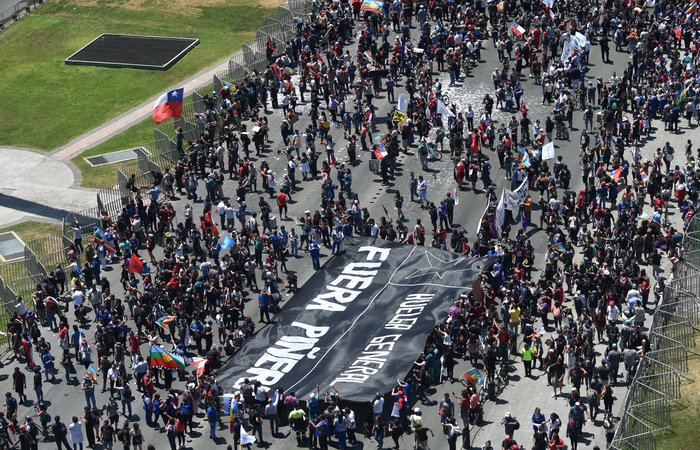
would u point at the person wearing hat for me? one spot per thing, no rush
(614, 356)
(509, 422)
(315, 252)
(508, 442)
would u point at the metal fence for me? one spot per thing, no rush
(42, 255)
(657, 383)
(17, 11)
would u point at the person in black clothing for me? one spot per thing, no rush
(60, 433)
(605, 48)
(89, 420)
(25, 439)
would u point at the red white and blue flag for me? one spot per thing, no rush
(517, 29)
(380, 152)
(168, 105)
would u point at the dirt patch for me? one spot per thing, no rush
(180, 7)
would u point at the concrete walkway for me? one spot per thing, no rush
(36, 185)
(46, 186)
(132, 117)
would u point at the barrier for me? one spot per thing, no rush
(42, 255)
(657, 383)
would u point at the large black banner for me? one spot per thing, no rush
(357, 324)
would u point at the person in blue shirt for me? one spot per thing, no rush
(264, 303)
(47, 359)
(275, 240)
(96, 269)
(537, 419)
(337, 236)
(197, 329)
(11, 404)
(213, 418)
(602, 194)
(315, 251)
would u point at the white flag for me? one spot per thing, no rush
(403, 104)
(501, 210)
(441, 109)
(245, 437)
(513, 199)
(548, 151)
(427, 112)
(456, 198)
(549, 3)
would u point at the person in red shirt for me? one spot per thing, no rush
(282, 204)
(556, 443)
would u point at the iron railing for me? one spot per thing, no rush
(657, 383)
(42, 255)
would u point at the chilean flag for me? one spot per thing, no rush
(380, 152)
(517, 29)
(168, 105)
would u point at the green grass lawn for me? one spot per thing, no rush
(33, 230)
(44, 103)
(684, 432)
(105, 175)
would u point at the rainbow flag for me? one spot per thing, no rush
(473, 376)
(289, 71)
(692, 8)
(91, 373)
(372, 5)
(558, 248)
(645, 177)
(164, 321)
(162, 358)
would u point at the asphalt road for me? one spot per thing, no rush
(522, 395)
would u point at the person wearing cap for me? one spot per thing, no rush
(509, 422)
(573, 397)
(577, 412)
(27, 441)
(613, 312)
(315, 252)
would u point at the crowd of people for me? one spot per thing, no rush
(211, 268)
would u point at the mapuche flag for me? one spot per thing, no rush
(162, 358)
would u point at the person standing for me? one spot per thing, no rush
(527, 353)
(422, 436)
(212, 418)
(90, 421)
(315, 252)
(60, 432)
(19, 384)
(422, 191)
(76, 434)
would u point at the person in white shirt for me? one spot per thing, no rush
(378, 404)
(613, 312)
(76, 433)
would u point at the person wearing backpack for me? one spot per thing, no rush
(510, 424)
(124, 436)
(60, 433)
